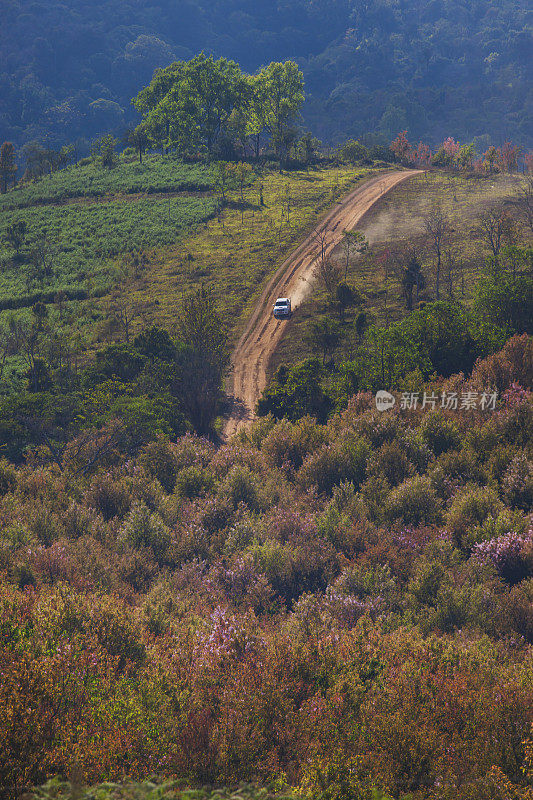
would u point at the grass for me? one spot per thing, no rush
(396, 221)
(155, 174)
(86, 238)
(236, 255)
(233, 254)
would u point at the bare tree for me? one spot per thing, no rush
(451, 268)
(124, 313)
(497, 228)
(353, 243)
(328, 272)
(438, 229)
(42, 255)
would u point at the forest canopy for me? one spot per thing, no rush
(70, 71)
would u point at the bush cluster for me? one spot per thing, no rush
(342, 609)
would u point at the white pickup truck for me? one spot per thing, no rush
(282, 308)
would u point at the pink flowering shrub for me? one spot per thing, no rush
(511, 555)
(517, 483)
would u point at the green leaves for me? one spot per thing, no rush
(189, 105)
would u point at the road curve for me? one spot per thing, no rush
(249, 362)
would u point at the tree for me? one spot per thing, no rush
(352, 152)
(139, 139)
(346, 297)
(525, 198)
(280, 96)
(353, 243)
(410, 276)
(189, 104)
(506, 302)
(242, 173)
(15, 235)
(401, 147)
(323, 336)
(8, 167)
(103, 149)
(307, 148)
(211, 89)
(296, 392)
(466, 156)
(201, 360)
(497, 227)
(438, 229)
(361, 325)
(42, 255)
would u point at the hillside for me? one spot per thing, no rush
(92, 258)
(335, 602)
(342, 608)
(395, 229)
(69, 72)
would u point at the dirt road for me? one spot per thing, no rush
(294, 279)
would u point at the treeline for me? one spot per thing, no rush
(453, 155)
(369, 66)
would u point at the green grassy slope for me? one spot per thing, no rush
(96, 226)
(155, 174)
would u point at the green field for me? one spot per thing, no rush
(85, 237)
(155, 174)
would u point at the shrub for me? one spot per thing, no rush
(77, 520)
(519, 607)
(44, 526)
(517, 483)
(143, 528)
(511, 555)
(8, 477)
(414, 502)
(192, 482)
(391, 461)
(160, 462)
(110, 498)
(513, 364)
(334, 464)
(462, 465)
(499, 461)
(240, 486)
(439, 434)
(287, 444)
(468, 511)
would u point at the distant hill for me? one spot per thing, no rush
(444, 67)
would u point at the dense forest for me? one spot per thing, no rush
(68, 72)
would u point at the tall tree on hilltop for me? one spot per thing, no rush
(280, 96)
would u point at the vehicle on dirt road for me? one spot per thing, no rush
(282, 308)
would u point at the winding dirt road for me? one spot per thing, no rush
(294, 278)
